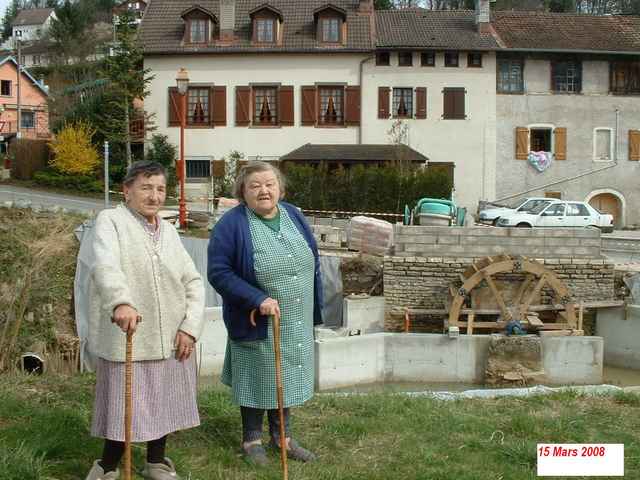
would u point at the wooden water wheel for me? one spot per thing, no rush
(527, 279)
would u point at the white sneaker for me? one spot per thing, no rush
(160, 471)
(97, 473)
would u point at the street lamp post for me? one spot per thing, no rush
(182, 80)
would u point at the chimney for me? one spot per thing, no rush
(483, 16)
(227, 19)
(366, 6)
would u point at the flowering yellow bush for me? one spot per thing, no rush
(73, 151)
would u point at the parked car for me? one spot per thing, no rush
(555, 213)
(491, 216)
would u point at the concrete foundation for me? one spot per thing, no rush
(620, 330)
(364, 314)
(414, 357)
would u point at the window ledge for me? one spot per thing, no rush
(266, 127)
(510, 93)
(198, 127)
(342, 125)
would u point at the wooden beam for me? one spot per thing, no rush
(536, 291)
(498, 296)
(470, 323)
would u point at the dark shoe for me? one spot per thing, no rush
(295, 451)
(255, 455)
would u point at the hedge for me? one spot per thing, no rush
(82, 183)
(363, 189)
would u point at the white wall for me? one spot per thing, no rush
(234, 70)
(470, 143)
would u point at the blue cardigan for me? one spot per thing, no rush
(230, 272)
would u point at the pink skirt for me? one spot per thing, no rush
(164, 399)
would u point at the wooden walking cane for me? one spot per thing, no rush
(128, 405)
(279, 390)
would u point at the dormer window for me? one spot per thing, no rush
(331, 23)
(198, 31)
(267, 24)
(199, 24)
(265, 30)
(331, 30)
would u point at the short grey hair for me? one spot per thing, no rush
(256, 167)
(145, 168)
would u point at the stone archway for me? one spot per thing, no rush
(609, 201)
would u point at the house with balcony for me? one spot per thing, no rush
(135, 8)
(34, 113)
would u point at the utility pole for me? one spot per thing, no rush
(19, 61)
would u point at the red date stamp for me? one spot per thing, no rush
(574, 459)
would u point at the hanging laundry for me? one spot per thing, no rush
(540, 160)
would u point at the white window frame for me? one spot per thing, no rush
(595, 145)
(547, 126)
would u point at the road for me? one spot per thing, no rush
(10, 193)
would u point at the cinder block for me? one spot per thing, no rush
(448, 240)
(561, 242)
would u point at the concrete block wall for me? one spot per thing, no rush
(423, 241)
(423, 282)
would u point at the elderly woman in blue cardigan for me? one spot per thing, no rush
(263, 257)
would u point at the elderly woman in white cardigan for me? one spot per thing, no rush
(143, 280)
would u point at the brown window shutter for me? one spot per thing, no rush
(421, 103)
(459, 100)
(286, 106)
(174, 107)
(383, 102)
(243, 97)
(218, 168)
(634, 145)
(308, 105)
(454, 103)
(522, 143)
(352, 110)
(219, 106)
(561, 143)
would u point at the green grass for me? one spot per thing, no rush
(44, 425)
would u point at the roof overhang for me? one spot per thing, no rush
(268, 8)
(329, 7)
(198, 8)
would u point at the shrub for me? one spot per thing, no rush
(73, 151)
(362, 188)
(81, 183)
(165, 153)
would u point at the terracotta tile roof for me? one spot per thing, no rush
(162, 28)
(563, 31)
(420, 28)
(32, 16)
(353, 153)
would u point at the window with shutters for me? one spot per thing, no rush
(428, 59)
(403, 102)
(634, 145)
(405, 59)
(474, 60)
(198, 168)
(540, 139)
(625, 78)
(602, 144)
(331, 105)
(451, 59)
(265, 106)
(198, 106)
(197, 30)
(510, 78)
(454, 103)
(566, 76)
(330, 28)
(383, 59)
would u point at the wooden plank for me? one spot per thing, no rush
(534, 321)
(523, 288)
(470, 324)
(555, 333)
(580, 315)
(496, 293)
(536, 291)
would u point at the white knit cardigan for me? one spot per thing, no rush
(159, 280)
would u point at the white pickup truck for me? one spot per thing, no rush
(556, 213)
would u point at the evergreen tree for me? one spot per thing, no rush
(127, 80)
